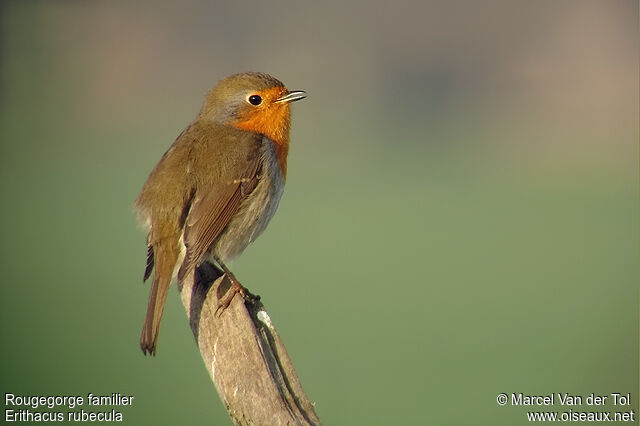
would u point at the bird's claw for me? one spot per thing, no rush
(225, 300)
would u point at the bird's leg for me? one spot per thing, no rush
(236, 287)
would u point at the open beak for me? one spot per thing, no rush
(292, 96)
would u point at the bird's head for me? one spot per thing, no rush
(254, 102)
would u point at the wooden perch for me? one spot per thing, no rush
(244, 355)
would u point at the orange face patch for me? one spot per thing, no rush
(270, 119)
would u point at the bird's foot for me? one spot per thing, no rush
(235, 288)
(225, 300)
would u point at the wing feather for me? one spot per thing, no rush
(212, 210)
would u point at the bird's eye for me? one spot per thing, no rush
(255, 100)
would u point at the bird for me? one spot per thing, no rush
(216, 188)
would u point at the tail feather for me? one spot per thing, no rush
(149, 267)
(165, 261)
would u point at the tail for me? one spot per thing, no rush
(165, 260)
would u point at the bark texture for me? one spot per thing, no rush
(244, 355)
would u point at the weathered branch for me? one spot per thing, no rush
(244, 355)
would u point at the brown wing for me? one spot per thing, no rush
(212, 209)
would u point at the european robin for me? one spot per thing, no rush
(217, 187)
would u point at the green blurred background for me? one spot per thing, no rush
(460, 218)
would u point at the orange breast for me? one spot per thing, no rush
(271, 120)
